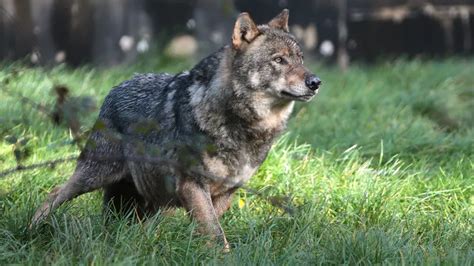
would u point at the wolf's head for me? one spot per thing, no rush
(268, 59)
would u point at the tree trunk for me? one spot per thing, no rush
(342, 56)
(214, 24)
(24, 38)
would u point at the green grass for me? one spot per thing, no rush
(378, 169)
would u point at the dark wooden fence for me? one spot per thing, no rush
(107, 32)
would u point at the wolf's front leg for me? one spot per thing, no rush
(222, 202)
(196, 198)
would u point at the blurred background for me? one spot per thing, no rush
(110, 32)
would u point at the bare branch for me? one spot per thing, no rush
(281, 202)
(50, 164)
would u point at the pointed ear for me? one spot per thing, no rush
(245, 31)
(280, 21)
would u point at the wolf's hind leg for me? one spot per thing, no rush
(87, 177)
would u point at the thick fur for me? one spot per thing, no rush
(193, 138)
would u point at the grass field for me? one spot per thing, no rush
(378, 169)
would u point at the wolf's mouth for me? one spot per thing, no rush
(301, 97)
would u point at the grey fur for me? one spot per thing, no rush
(193, 138)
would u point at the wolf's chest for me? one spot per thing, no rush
(225, 173)
(240, 178)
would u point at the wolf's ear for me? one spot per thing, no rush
(245, 31)
(280, 21)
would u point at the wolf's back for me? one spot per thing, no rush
(134, 100)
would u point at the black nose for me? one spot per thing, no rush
(312, 82)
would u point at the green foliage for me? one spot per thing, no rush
(19, 148)
(377, 170)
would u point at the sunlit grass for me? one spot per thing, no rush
(378, 169)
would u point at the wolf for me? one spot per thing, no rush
(192, 139)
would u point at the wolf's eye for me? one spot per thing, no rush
(279, 60)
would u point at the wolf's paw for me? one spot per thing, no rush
(226, 248)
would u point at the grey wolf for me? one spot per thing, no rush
(192, 139)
